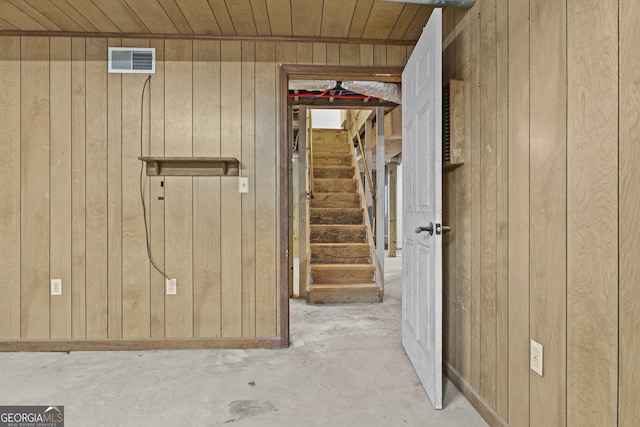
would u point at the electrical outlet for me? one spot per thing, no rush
(243, 184)
(537, 358)
(56, 286)
(171, 287)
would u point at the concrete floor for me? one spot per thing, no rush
(345, 367)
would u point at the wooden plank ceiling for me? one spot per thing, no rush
(349, 19)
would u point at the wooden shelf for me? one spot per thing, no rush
(192, 166)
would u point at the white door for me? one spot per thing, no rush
(422, 211)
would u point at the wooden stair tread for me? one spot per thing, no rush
(333, 172)
(344, 294)
(342, 267)
(340, 253)
(341, 226)
(336, 216)
(340, 244)
(335, 185)
(325, 287)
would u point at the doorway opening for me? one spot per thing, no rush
(354, 115)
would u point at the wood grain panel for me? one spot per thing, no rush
(247, 165)
(396, 56)
(336, 18)
(548, 210)
(265, 189)
(114, 199)
(152, 16)
(231, 146)
(286, 52)
(156, 147)
(502, 211)
(381, 20)
(207, 204)
(121, 14)
(474, 131)
(34, 187)
(366, 55)
(242, 17)
(418, 23)
(629, 181)
(199, 16)
(304, 54)
(177, 17)
(35, 15)
(52, 12)
(78, 177)
(261, 17)
(94, 15)
(319, 53)
(7, 26)
(10, 189)
(462, 225)
(380, 55)
(60, 184)
(221, 13)
(488, 214)
(279, 17)
(349, 54)
(96, 188)
(592, 235)
(360, 16)
(18, 18)
(306, 17)
(135, 263)
(404, 20)
(519, 213)
(73, 14)
(283, 56)
(333, 54)
(178, 190)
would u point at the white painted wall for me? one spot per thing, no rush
(326, 119)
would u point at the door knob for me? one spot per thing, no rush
(428, 228)
(440, 229)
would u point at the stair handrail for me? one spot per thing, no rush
(309, 190)
(310, 150)
(367, 173)
(367, 222)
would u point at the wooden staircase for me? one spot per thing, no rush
(341, 262)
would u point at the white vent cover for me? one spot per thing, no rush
(132, 60)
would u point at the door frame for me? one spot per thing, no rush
(285, 202)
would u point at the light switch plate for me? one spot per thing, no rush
(537, 359)
(172, 288)
(243, 184)
(56, 286)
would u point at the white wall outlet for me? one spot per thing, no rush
(172, 288)
(243, 184)
(537, 358)
(56, 286)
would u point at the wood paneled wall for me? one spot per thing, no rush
(546, 235)
(70, 137)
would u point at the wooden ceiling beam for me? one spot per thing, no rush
(94, 34)
(337, 72)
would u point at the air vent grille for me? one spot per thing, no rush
(446, 125)
(453, 124)
(132, 60)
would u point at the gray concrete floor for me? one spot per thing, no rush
(345, 367)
